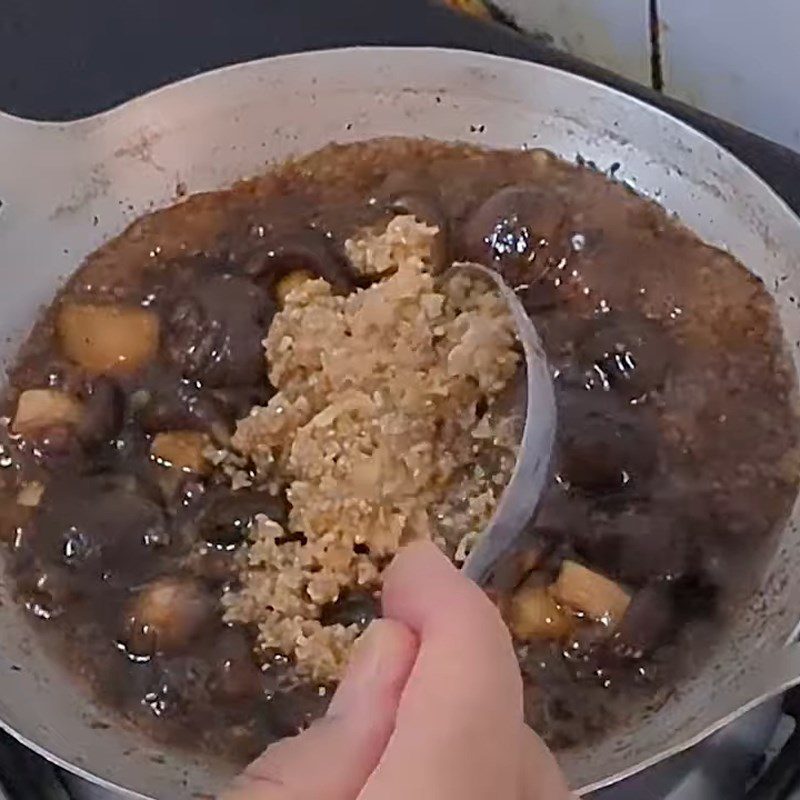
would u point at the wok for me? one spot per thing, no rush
(67, 188)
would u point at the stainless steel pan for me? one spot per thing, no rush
(67, 188)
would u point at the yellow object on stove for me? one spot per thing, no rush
(474, 7)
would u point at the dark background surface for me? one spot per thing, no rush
(62, 60)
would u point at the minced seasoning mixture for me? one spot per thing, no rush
(384, 410)
(235, 412)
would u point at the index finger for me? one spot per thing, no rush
(460, 714)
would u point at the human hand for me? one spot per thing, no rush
(430, 707)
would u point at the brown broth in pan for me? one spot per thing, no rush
(675, 458)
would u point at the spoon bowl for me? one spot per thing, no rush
(520, 499)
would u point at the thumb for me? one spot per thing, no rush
(336, 755)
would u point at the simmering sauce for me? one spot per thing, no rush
(675, 457)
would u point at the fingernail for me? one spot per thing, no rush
(371, 666)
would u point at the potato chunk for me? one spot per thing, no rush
(107, 339)
(534, 614)
(591, 593)
(30, 494)
(166, 615)
(183, 450)
(38, 409)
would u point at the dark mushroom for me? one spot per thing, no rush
(48, 592)
(310, 252)
(354, 608)
(226, 518)
(234, 674)
(235, 402)
(637, 546)
(165, 616)
(101, 525)
(214, 327)
(169, 401)
(54, 446)
(648, 623)
(215, 566)
(627, 353)
(604, 444)
(171, 686)
(521, 231)
(103, 412)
